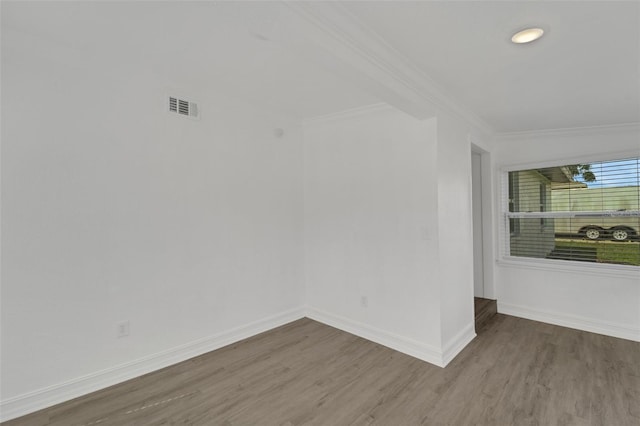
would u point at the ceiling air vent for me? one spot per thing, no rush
(182, 107)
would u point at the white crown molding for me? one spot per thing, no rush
(354, 43)
(569, 132)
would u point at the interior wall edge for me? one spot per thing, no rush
(42, 398)
(455, 345)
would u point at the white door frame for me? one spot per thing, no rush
(487, 247)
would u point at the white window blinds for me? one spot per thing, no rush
(578, 212)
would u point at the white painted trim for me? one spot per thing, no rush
(572, 267)
(621, 331)
(61, 392)
(46, 397)
(488, 232)
(399, 343)
(571, 131)
(592, 158)
(455, 345)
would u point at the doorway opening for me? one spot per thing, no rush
(485, 306)
(478, 237)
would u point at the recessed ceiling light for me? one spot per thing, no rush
(527, 36)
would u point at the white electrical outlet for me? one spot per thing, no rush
(123, 329)
(364, 301)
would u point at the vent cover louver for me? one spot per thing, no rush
(182, 107)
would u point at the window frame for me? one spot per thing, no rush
(504, 257)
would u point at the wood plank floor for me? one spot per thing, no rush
(484, 311)
(517, 372)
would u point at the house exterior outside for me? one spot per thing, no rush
(530, 191)
(612, 213)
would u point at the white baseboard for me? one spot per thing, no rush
(454, 346)
(402, 344)
(46, 397)
(622, 331)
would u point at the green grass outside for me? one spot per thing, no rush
(627, 253)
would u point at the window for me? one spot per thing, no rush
(578, 212)
(514, 224)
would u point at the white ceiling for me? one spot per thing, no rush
(193, 45)
(584, 72)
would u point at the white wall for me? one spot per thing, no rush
(114, 210)
(388, 217)
(371, 227)
(455, 240)
(478, 247)
(599, 298)
(198, 232)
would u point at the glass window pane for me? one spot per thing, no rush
(579, 212)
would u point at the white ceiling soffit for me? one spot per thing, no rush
(369, 61)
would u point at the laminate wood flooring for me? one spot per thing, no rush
(516, 372)
(484, 311)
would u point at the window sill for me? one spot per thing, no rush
(573, 267)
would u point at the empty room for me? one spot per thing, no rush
(320, 213)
